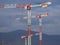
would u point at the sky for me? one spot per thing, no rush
(50, 24)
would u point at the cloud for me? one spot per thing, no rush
(51, 23)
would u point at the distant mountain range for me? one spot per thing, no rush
(14, 38)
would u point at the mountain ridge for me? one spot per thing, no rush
(14, 38)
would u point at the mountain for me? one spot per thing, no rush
(14, 38)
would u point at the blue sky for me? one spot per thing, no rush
(51, 24)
